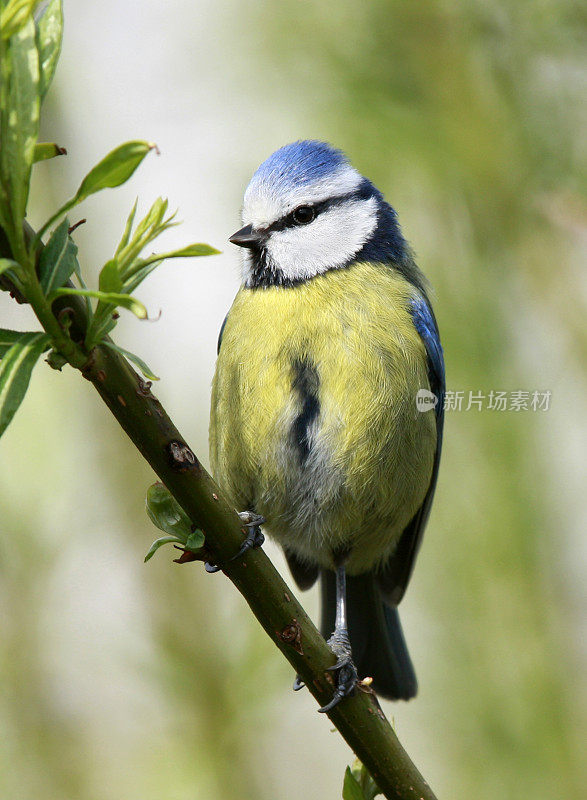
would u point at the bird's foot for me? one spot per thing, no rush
(255, 538)
(346, 672)
(298, 684)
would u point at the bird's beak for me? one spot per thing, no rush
(247, 237)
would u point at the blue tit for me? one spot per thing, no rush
(315, 424)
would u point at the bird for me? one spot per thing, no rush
(315, 425)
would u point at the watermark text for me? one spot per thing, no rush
(515, 400)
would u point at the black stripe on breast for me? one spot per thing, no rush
(305, 383)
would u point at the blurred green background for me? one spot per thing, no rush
(124, 680)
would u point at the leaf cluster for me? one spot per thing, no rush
(166, 514)
(39, 272)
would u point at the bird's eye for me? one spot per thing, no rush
(303, 215)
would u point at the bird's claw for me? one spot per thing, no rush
(347, 676)
(298, 684)
(250, 519)
(255, 538)
(346, 682)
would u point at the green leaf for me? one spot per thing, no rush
(45, 150)
(14, 16)
(152, 224)
(8, 264)
(15, 373)
(123, 300)
(362, 776)
(109, 280)
(140, 268)
(100, 328)
(185, 252)
(159, 543)
(351, 789)
(131, 283)
(190, 251)
(58, 259)
(49, 34)
(113, 170)
(195, 541)
(14, 274)
(193, 250)
(127, 228)
(19, 123)
(8, 338)
(138, 362)
(165, 512)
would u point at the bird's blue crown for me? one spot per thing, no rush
(299, 164)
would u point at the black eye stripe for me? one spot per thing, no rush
(364, 191)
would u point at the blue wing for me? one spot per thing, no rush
(394, 577)
(220, 335)
(425, 324)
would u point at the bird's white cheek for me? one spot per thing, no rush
(328, 242)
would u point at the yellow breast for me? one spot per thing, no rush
(314, 421)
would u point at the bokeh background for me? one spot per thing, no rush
(125, 680)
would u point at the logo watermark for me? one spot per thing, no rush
(426, 400)
(514, 400)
